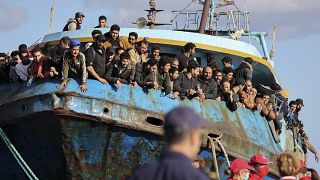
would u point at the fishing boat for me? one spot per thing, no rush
(107, 133)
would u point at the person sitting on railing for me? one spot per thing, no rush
(74, 23)
(96, 59)
(244, 71)
(208, 87)
(139, 54)
(132, 38)
(155, 52)
(245, 95)
(4, 69)
(121, 71)
(15, 59)
(186, 56)
(113, 39)
(184, 86)
(227, 95)
(103, 23)
(22, 68)
(74, 66)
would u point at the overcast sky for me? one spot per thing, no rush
(298, 36)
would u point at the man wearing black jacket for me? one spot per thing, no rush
(120, 72)
(207, 84)
(186, 83)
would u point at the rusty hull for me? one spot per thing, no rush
(107, 132)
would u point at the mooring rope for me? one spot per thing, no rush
(17, 156)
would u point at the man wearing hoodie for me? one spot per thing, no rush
(245, 69)
(74, 23)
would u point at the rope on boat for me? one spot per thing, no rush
(17, 156)
(214, 155)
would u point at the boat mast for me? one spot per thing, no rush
(52, 15)
(204, 17)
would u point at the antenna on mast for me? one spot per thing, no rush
(52, 15)
(273, 40)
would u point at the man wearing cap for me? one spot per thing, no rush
(74, 23)
(182, 132)
(239, 170)
(96, 59)
(260, 164)
(74, 66)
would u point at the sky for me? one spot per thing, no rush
(298, 36)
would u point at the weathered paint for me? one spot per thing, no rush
(244, 132)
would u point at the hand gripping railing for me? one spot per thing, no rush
(17, 156)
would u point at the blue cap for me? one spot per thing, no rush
(181, 119)
(74, 43)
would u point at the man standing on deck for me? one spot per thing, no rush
(102, 22)
(186, 56)
(182, 132)
(74, 66)
(74, 23)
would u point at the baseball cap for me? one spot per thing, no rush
(240, 164)
(110, 49)
(74, 43)
(101, 38)
(181, 119)
(299, 101)
(80, 14)
(259, 159)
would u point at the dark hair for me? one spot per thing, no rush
(192, 66)
(134, 34)
(65, 40)
(14, 53)
(115, 27)
(155, 47)
(228, 70)
(226, 59)
(173, 69)
(125, 55)
(239, 81)
(292, 103)
(189, 46)
(217, 71)
(314, 174)
(211, 55)
(143, 42)
(36, 49)
(248, 60)
(95, 32)
(152, 62)
(3, 55)
(56, 52)
(102, 17)
(164, 60)
(23, 47)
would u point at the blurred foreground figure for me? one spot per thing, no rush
(260, 164)
(183, 132)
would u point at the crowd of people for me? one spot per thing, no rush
(112, 59)
(183, 132)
